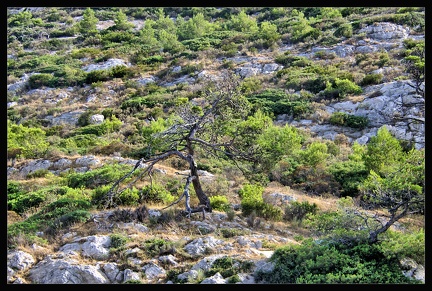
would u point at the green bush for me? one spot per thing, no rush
(118, 241)
(359, 122)
(404, 245)
(338, 118)
(116, 36)
(314, 154)
(22, 201)
(129, 197)
(38, 80)
(251, 192)
(40, 173)
(296, 211)
(344, 119)
(66, 220)
(97, 75)
(252, 202)
(155, 193)
(345, 30)
(120, 72)
(227, 267)
(219, 202)
(349, 174)
(108, 126)
(231, 232)
(340, 88)
(92, 179)
(371, 79)
(155, 246)
(318, 262)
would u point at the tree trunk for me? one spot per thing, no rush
(202, 197)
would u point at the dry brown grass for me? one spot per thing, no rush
(324, 204)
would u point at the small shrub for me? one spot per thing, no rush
(319, 262)
(219, 202)
(40, 173)
(155, 193)
(371, 79)
(129, 197)
(97, 177)
(157, 246)
(345, 30)
(38, 80)
(349, 174)
(231, 232)
(66, 220)
(344, 119)
(230, 213)
(97, 75)
(118, 241)
(298, 210)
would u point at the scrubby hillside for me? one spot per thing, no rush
(303, 129)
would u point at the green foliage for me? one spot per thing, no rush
(268, 33)
(300, 27)
(383, 152)
(341, 88)
(252, 202)
(80, 143)
(345, 119)
(156, 193)
(314, 154)
(345, 30)
(40, 80)
(414, 62)
(357, 153)
(68, 219)
(371, 79)
(23, 18)
(344, 226)
(129, 197)
(107, 126)
(349, 174)
(118, 241)
(219, 202)
(39, 174)
(276, 101)
(156, 246)
(97, 75)
(231, 232)
(284, 168)
(297, 211)
(87, 26)
(194, 27)
(20, 201)
(57, 215)
(251, 192)
(250, 85)
(286, 59)
(30, 142)
(404, 245)
(277, 142)
(243, 23)
(104, 175)
(320, 262)
(227, 267)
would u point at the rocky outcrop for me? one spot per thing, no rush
(393, 104)
(87, 260)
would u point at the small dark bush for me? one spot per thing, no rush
(298, 210)
(372, 79)
(43, 79)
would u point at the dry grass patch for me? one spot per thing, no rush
(355, 98)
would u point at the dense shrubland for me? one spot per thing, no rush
(386, 174)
